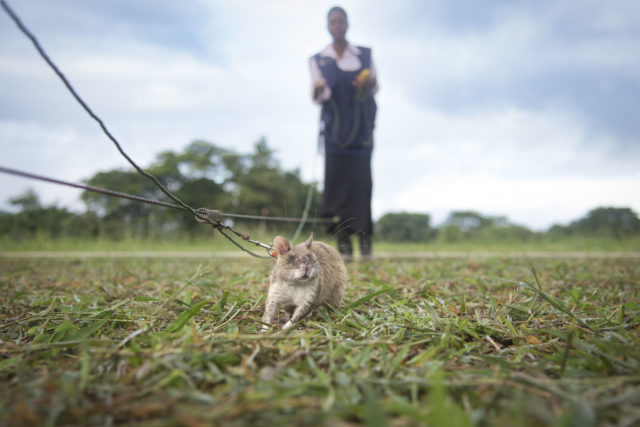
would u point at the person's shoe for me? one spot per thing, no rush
(365, 247)
(346, 258)
(366, 257)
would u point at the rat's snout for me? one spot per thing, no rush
(305, 267)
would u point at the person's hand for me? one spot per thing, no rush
(318, 88)
(364, 79)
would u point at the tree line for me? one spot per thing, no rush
(205, 175)
(605, 222)
(201, 175)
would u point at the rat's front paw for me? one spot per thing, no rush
(287, 325)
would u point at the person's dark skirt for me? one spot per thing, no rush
(347, 198)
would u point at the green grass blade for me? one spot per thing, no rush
(86, 332)
(554, 302)
(185, 316)
(368, 297)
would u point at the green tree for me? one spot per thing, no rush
(405, 227)
(198, 176)
(121, 217)
(27, 201)
(470, 220)
(607, 221)
(470, 225)
(265, 189)
(202, 175)
(35, 219)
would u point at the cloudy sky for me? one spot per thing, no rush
(528, 109)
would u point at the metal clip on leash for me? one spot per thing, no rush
(204, 213)
(214, 217)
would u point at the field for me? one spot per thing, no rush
(443, 341)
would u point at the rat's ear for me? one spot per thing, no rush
(281, 244)
(307, 244)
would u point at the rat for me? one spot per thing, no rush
(305, 277)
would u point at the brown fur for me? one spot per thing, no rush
(304, 277)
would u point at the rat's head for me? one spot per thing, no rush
(297, 263)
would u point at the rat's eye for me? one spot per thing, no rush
(308, 258)
(291, 258)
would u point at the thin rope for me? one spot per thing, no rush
(84, 105)
(202, 213)
(88, 188)
(276, 218)
(183, 205)
(307, 206)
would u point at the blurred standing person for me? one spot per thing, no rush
(344, 83)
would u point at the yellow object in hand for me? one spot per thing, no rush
(361, 79)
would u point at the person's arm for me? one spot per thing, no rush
(373, 78)
(320, 92)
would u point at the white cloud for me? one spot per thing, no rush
(535, 202)
(535, 167)
(248, 78)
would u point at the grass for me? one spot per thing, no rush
(211, 241)
(459, 341)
